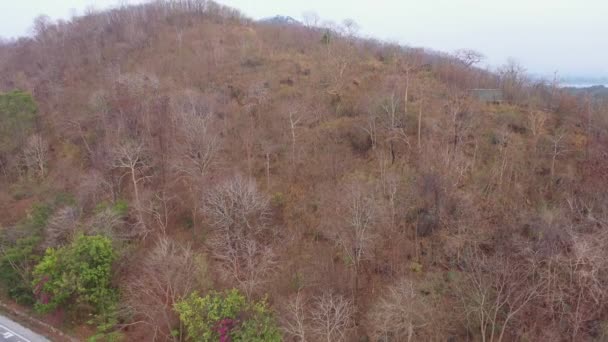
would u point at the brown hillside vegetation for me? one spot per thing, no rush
(354, 189)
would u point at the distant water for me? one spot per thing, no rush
(581, 85)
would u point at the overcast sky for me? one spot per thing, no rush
(570, 36)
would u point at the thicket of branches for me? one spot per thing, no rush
(358, 186)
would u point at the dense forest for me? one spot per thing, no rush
(175, 171)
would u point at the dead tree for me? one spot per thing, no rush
(159, 208)
(196, 145)
(331, 317)
(557, 149)
(36, 154)
(408, 65)
(294, 318)
(536, 124)
(357, 236)
(422, 94)
(496, 290)
(512, 79)
(399, 313)
(195, 149)
(468, 57)
(420, 124)
(394, 124)
(61, 227)
(371, 129)
(236, 206)
(456, 108)
(294, 119)
(131, 156)
(168, 273)
(239, 214)
(243, 260)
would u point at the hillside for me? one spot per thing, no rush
(176, 171)
(598, 92)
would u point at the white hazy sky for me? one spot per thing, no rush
(570, 36)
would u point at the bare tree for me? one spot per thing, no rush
(331, 317)
(469, 57)
(408, 65)
(93, 188)
(391, 188)
(168, 272)
(423, 93)
(557, 149)
(587, 269)
(41, 27)
(513, 78)
(239, 216)
(109, 223)
(357, 237)
(243, 260)
(132, 157)
(61, 226)
(399, 313)
(159, 209)
(311, 19)
(294, 318)
(338, 60)
(496, 291)
(350, 27)
(294, 119)
(270, 150)
(419, 135)
(36, 154)
(371, 129)
(394, 124)
(505, 149)
(458, 111)
(536, 124)
(196, 144)
(237, 207)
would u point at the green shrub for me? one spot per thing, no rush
(20, 253)
(120, 207)
(77, 274)
(326, 38)
(278, 199)
(415, 267)
(15, 265)
(227, 316)
(187, 221)
(105, 324)
(39, 216)
(64, 199)
(18, 113)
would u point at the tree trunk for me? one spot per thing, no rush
(419, 124)
(267, 170)
(138, 208)
(407, 87)
(356, 294)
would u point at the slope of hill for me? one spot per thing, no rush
(195, 173)
(280, 20)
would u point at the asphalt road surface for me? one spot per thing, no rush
(13, 332)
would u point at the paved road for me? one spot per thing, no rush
(13, 332)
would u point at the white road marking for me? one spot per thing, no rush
(9, 333)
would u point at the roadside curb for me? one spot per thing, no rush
(36, 323)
